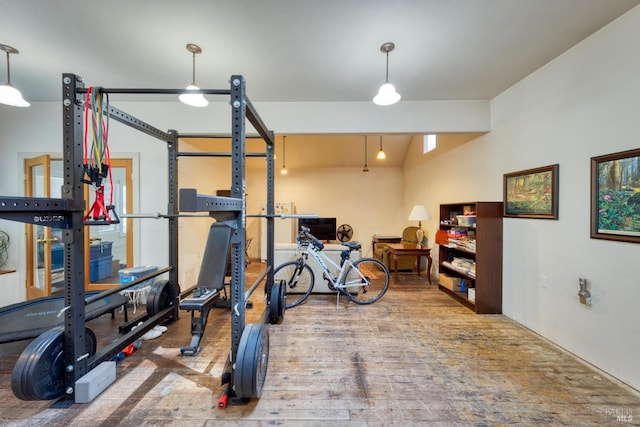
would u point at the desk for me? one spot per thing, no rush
(400, 249)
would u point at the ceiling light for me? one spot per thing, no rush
(387, 94)
(365, 168)
(9, 95)
(283, 171)
(193, 99)
(381, 155)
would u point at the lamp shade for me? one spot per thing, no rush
(418, 213)
(9, 95)
(387, 95)
(193, 99)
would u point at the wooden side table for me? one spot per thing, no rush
(400, 249)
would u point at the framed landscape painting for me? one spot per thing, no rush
(532, 193)
(615, 196)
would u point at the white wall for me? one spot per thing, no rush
(371, 202)
(583, 104)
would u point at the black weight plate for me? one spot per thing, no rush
(282, 295)
(159, 297)
(39, 371)
(276, 308)
(251, 361)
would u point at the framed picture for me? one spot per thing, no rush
(615, 196)
(532, 193)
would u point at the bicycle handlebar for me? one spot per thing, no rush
(305, 234)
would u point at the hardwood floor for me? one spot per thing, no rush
(414, 358)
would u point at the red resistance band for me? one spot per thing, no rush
(98, 210)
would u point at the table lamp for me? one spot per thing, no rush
(418, 213)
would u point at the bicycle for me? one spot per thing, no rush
(363, 281)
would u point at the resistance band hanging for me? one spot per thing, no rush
(97, 160)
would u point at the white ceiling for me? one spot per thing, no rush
(295, 50)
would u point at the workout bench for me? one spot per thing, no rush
(210, 283)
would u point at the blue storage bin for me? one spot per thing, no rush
(100, 250)
(128, 275)
(100, 268)
(57, 256)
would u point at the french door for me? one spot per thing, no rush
(44, 247)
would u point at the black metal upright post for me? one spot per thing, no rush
(270, 211)
(75, 357)
(238, 299)
(172, 212)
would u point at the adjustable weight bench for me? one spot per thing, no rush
(210, 283)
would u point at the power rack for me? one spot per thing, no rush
(246, 366)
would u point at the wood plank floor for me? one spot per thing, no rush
(414, 358)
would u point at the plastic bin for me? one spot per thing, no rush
(128, 275)
(100, 268)
(100, 250)
(57, 256)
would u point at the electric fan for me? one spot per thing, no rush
(344, 233)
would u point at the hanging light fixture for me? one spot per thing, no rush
(365, 168)
(387, 94)
(283, 171)
(193, 99)
(381, 155)
(9, 95)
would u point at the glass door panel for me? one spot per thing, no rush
(37, 184)
(111, 246)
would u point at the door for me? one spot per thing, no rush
(41, 241)
(45, 250)
(111, 246)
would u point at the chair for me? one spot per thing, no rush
(404, 262)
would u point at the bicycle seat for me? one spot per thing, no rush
(354, 246)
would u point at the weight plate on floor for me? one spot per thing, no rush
(39, 371)
(276, 303)
(160, 297)
(282, 299)
(251, 361)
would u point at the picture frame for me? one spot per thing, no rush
(615, 196)
(532, 193)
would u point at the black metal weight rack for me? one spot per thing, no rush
(246, 366)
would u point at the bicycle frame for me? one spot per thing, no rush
(305, 250)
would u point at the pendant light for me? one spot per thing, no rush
(283, 171)
(9, 95)
(387, 94)
(193, 99)
(381, 155)
(365, 168)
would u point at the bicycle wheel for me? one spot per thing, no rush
(366, 281)
(298, 283)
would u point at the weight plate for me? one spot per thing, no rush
(282, 297)
(273, 305)
(159, 297)
(276, 303)
(251, 361)
(39, 372)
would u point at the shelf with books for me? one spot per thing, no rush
(473, 253)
